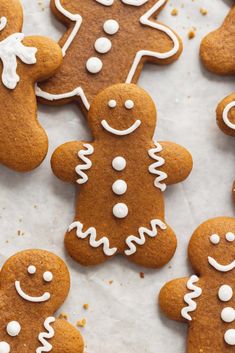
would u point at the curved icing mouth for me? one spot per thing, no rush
(219, 267)
(113, 131)
(46, 296)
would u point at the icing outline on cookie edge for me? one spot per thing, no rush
(144, 20)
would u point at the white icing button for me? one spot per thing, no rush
(119, 163)
(228, 315)
(31, 270)
(229, 337)
(111, 27)
(214, 239)
(230, 237)
(112, 103)
(129, 104)
(120, 210)
(119, 187)
(225, 293)
(4, 347)
(47, 276)
(13, 328)
(103, 45)
(94, 65)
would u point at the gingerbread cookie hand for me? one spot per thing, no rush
(23, 142)
(209, 298)
(34, 284)
(122, 176)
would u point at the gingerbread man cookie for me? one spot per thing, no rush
(207, 300)
(24, 60)
(34, 284)
(122, 173)
(216, 53)
(107, 42)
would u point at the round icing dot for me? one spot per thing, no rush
(228, 315)
(229, 337)
(230, 237)
(94, 65)
(129, 104)
(120, 210)
(47, 276)
(4, 347)
(225, 293)
(119, 187)
(112, 103)
(111, 27)
(31, 270)
(13, 328)
(103, 45)
(119, 163)
(215, 239)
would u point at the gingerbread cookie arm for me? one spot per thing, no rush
(177, 164)
(71, 161)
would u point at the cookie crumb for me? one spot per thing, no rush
(111, 282)
(191, 34)
(85, 306)
(81, 323)
(174, 12)
(203, 11)
(142, 274)
(63, 316)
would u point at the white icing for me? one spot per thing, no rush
(146, 21)
(225, 115)
(13, 328)
(103, 45)
(229, 337)
(94, 65)
(105, 2)
(112, 103)
(228, 315)
(87, 164)
(32, 270)
(4, 347)
(214, 239)
(12, 48)
(46, 296)
(153, 168)
(120, 210)
(230, 237)
(188, 298)
(3, 23)
(92, 234)
(119, 187)
(127, 2)
(111, 27)
(117, 132)
(44, 336)
(47, 276)
(225, 293)
(119, 163)
(222, 268)
(129, 104)
(140, 240)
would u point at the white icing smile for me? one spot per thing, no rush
(113, 131)
(219, 267)
(46, 296)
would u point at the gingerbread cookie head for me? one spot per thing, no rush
(122, 110)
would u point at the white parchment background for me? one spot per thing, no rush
(123, 317)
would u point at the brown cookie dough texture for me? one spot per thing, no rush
(216, 51)
(206, 301)
(34, 284)
(122, 173)
(24, 60)
(107, 42)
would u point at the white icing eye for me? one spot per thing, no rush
(13, 328)
(129, 104)
(32, 270)
(47, 276)
(112, 103)
(215, 239)
(230, 237)
(111, 27)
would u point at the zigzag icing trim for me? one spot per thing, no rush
(86, 165)
(188, 298)
(92, 234)
(140, 240)
(153, 168)
(44, 336)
